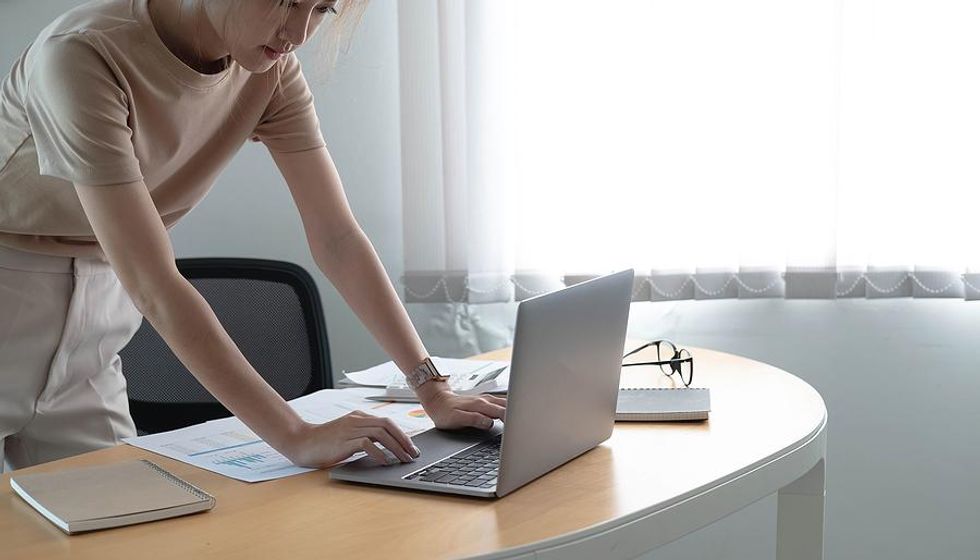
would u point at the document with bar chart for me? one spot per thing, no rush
(228, 447)
(223, 446)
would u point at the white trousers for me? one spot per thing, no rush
(62, 323)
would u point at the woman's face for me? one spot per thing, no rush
(258, 32)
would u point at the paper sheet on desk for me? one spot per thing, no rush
(229, 448)
(384, 374)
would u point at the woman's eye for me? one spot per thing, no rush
(322, 10)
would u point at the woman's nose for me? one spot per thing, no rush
(294, 30)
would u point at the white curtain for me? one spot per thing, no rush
(751, 148)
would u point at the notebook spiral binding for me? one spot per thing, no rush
(662, 388)
(179, 481)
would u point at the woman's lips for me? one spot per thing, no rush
(272, 54)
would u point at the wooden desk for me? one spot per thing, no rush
(646, 486)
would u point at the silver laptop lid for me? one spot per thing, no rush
(564, 379)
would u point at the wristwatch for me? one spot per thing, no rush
(423, 373)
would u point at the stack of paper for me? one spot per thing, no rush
(466, 377)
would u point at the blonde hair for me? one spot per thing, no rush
(338, 34)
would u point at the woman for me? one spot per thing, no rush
(113, 125)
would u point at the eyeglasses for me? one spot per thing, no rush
(670, 359)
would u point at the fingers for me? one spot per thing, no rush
(385, 432)
(366, 445)
(474, 419)
(502, 401)
(485, 406)
(381, 436)
(478, 412)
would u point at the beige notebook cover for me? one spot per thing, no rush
(106, 496)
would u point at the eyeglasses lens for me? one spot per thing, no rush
(686, 367)
(666, 351)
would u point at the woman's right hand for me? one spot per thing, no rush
(324, 445)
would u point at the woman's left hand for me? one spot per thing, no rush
(449, 410)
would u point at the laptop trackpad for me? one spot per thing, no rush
(435, 444)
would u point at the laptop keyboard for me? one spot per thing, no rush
(475, 467)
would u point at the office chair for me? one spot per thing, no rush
(271, 309)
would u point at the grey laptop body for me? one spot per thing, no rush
(561, 401)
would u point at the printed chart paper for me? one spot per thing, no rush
(229, 448)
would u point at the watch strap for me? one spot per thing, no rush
(423, 373)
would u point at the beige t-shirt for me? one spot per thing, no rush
(98, 99)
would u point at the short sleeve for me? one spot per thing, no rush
(78, 114)
(289, 123)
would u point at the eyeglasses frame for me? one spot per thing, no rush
(674, 363)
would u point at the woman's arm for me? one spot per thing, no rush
(137, 246)
(348, 259)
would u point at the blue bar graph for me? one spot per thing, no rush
(245, 461)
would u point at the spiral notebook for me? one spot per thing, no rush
(662, 404)
(92, 498)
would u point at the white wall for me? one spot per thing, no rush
(900, 377)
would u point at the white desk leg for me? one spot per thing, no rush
(799, 517)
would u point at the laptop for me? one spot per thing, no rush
(561, 402)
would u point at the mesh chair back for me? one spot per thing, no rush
(272, 311)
